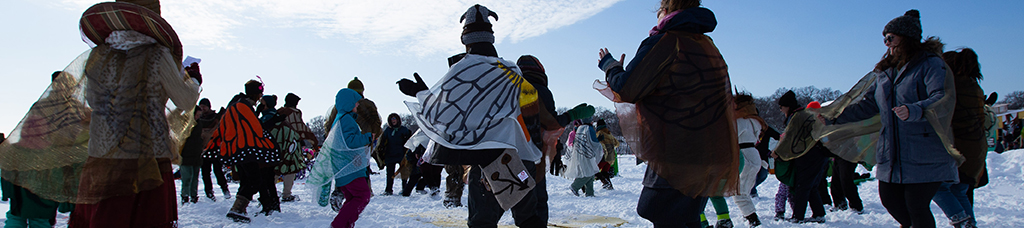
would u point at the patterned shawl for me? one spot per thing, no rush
(679, 117)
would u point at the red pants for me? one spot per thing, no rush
(156, 207)
(357, 196)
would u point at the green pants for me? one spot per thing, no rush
(721, 209)
(585, 183)
(14, 221)
(189, 181)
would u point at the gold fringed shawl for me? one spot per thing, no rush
(47, 149)
(680, 115)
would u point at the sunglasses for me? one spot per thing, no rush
(888, 38)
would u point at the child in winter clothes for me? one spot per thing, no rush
(346, 147)
(584, 154)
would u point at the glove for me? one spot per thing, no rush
(580, 111)
(193, 71)
(411, 88)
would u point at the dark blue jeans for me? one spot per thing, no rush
(952, 199)
(667, 207)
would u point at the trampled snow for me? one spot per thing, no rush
(999, 204)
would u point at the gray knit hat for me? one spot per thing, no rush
(908, 25)
(477, 28)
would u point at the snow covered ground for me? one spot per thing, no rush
(1000, 204)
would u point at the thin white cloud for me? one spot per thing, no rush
(405, 26)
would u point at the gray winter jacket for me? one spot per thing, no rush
(907, 151)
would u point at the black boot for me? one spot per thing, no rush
(753, 220)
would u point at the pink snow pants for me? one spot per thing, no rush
(357, 196)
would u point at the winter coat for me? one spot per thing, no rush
(908, 151)
(192, 150)
(680, 85)
(546, 119)
(763, 142)
(584, 154)
(354, 142)
(609, 143)
(396, 138)
(969, 131)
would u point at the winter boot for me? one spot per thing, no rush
(289, 198)
(780, 216)
(195, 199)
(270, 204)
(227, 194)
(210, 195)
(452, 202)
(959, 221)
(608, 186)
(337, 199)
(724, 223)
(184, 200)
(753, 220)
(840, 206)
(237, 211)
(435, 193)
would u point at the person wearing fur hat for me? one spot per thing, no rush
(678, 67)
(135, 67)
(913, 93)
(485, 133)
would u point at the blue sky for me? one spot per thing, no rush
(314, 47)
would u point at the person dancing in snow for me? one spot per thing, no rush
(581, 160)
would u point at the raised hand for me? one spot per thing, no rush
(408, 87)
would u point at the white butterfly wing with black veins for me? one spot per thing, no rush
(476, 96)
